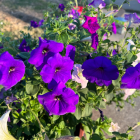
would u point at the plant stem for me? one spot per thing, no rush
(135, 126)
(76, 3)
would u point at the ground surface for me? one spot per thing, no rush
(18, 13)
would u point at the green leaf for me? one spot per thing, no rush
(11, 51)
(78, 112)
(87, 131)
(138, 123)
(55, 117)
(61, 125)
(106, 41)
(106, 130)
(26, 130)
(83, 90)
(1, 87)
(87, 110)
(24, 55)
(96, 137)
(116, 83)
(65, 132)
(15, 114)
(63, 38)
(102, 104)
(29, 72)
(45, 90)
(130, 58)
(109, 97)
(31, 89)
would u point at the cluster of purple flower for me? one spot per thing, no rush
(35, 24)
(56, 71)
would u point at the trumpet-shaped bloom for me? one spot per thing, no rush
(78, 76)
(74, 14)
(114, 127)
(100, 69)
(4, 134)
(129, 44)
(91, 24)
(94, 40)
(128, 92)
(114, 28)
(98, 3)
(60, 101)
(11, 70)
(23, 46)
(131, 79)
(70, 51)
(132, 18)
(57, 68)
(61, 7)
(46, 49)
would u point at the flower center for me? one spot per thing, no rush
(45, 50)
(57, 98)
(89, 22)
(80, 74)
(57, 69)
(12, 69)
(101, 68)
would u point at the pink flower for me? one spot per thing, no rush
(114, 127)
(78, 76)
(91, 24)
(128, 92)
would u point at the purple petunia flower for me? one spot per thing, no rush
(114, 52)
(114, 28)
(57, 68)
(23, 46)
(61, 7)
(73, 14)
(35, 24)
(138, 1)
(70, 51)
(11, 70)
(100, 70)
(1, 47)
(105, 36)
(91, 24)
(71, 26)
(132, 18)
(41, 22)
(46, 49)
(98, 3)
(60, 101)
(10, 99)
(131, 78)
(95, 41)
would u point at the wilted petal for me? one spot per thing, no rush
(4, 134)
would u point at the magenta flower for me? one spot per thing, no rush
(60, 101)
(95, 41)
(23, 46)
(73, 14)
(57, 68)
(46, 49)
(114, 29)
(100, 70)
(105, 36)
(61, 7)
(138, 1)
(98, 3)
(131, 78)
(70, 51)
(132, 18)
(11, 70)
(91, 24)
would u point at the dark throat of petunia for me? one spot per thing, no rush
(58, 98)
(57, 69)
(45, 50)
(11, 69)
